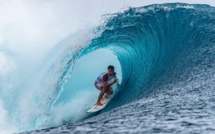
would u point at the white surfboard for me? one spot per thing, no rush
(96, 108)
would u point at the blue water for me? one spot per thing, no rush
(165, 59)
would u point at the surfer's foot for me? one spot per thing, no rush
(98, 104)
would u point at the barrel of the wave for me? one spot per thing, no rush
(148, 40)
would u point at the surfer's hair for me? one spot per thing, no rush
(111, 67)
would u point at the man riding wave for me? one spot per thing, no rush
(101, 83)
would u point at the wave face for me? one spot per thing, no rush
(166, 53)
(155, 41)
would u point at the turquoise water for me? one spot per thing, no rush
(166, 53)
(164, 58)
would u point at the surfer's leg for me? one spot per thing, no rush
(101, 95)
(108, 92)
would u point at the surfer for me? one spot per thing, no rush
(101, 83)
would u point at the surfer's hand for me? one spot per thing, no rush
(115, 80)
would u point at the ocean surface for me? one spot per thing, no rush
(165, 59)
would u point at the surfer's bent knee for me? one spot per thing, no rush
(109, 91)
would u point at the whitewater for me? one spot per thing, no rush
(164, 58)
